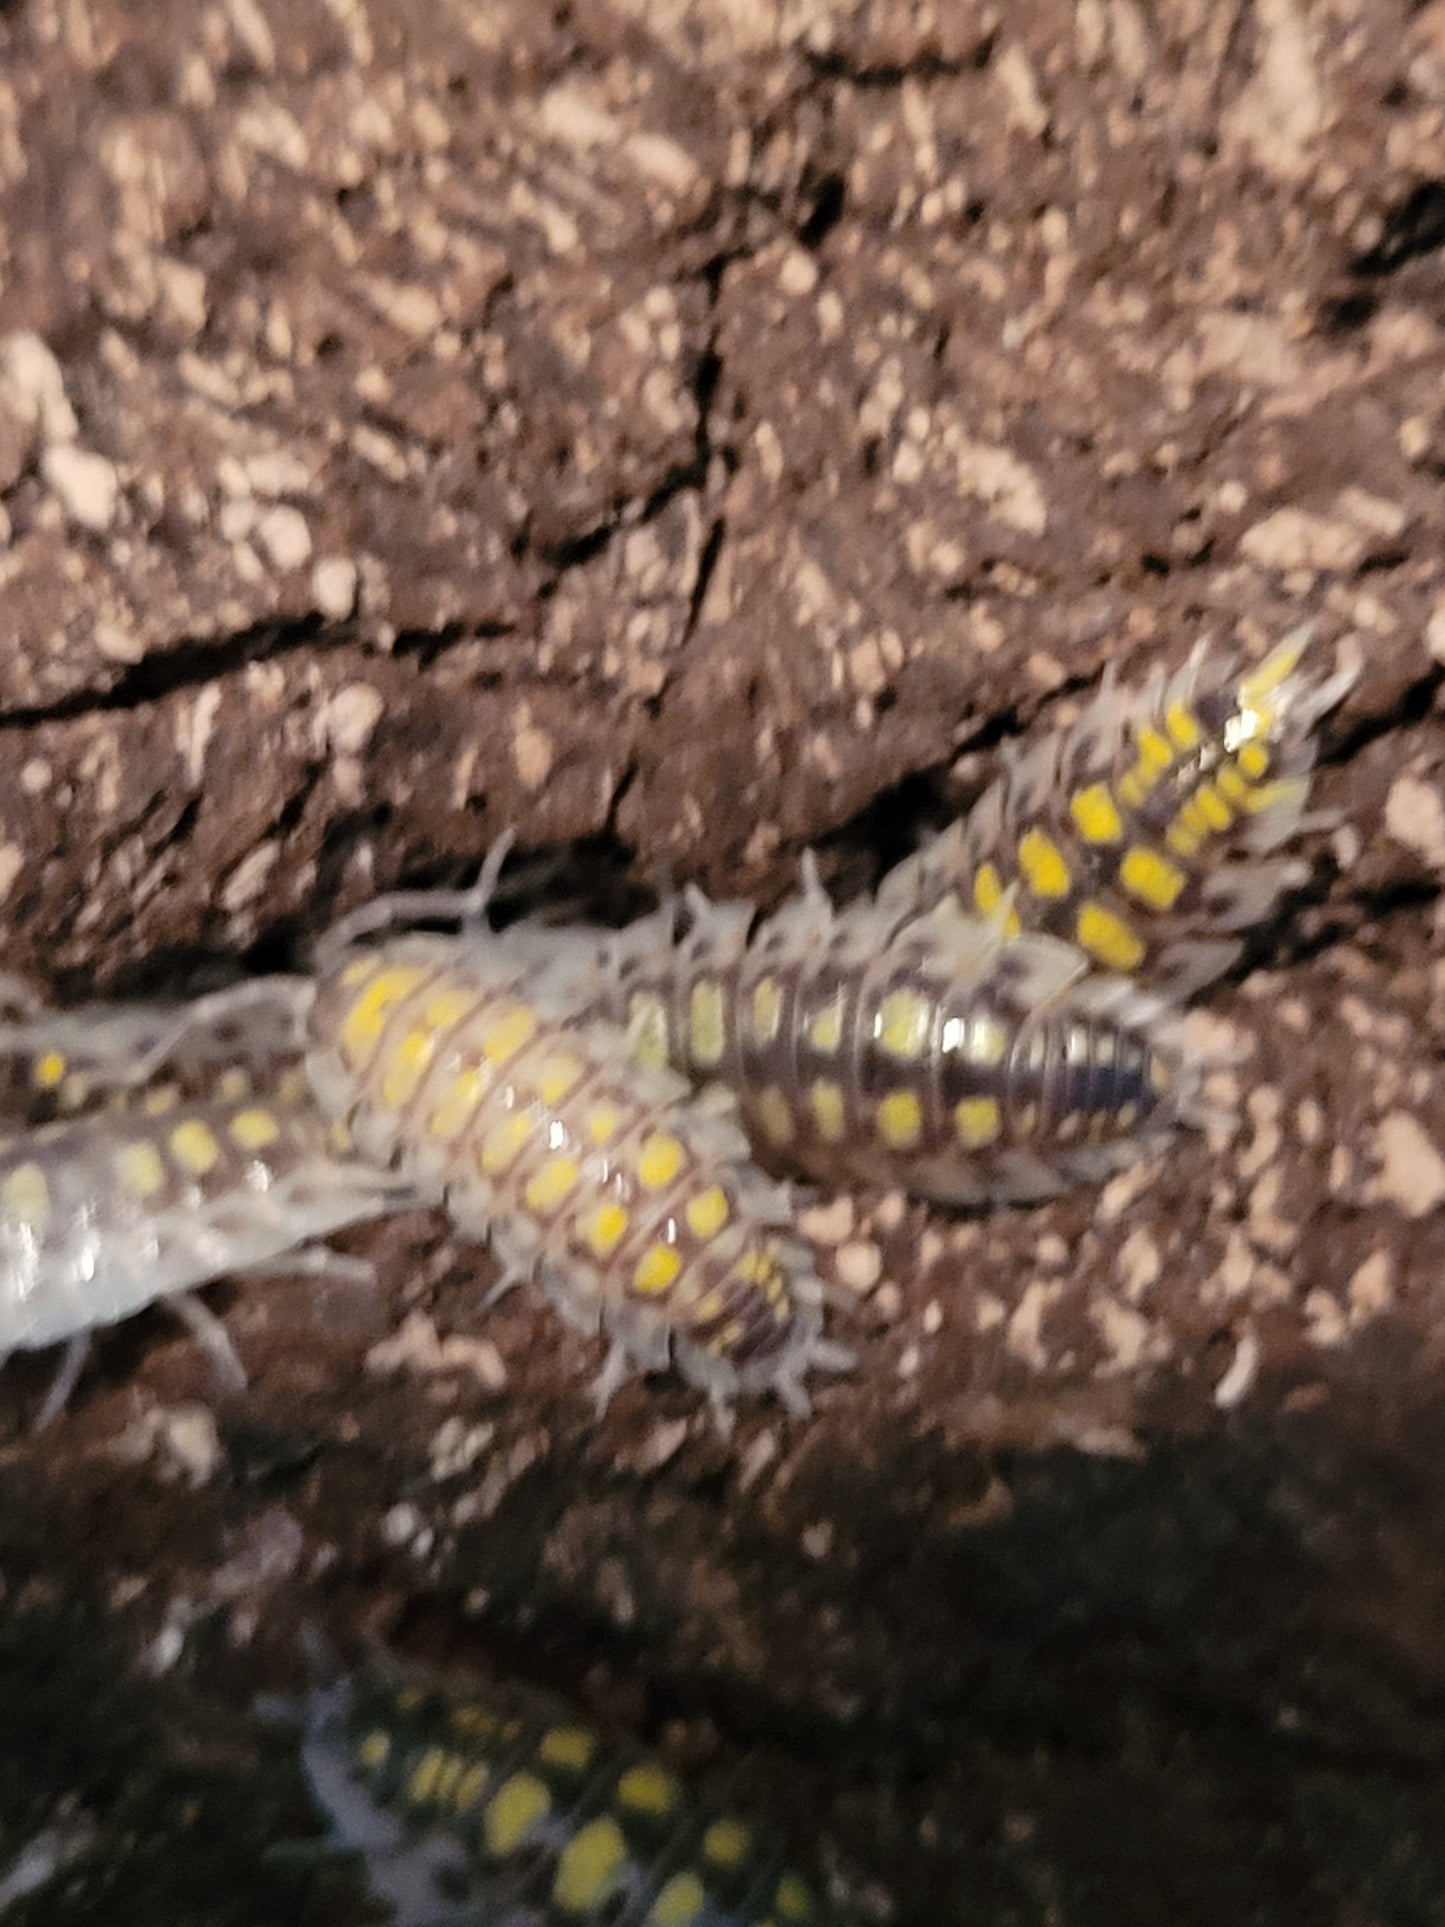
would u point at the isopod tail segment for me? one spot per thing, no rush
(944, 1055)
(1151, 832)
(154, 1189)
(470, 1064)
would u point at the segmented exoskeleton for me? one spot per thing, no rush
(943, 1057)
(1148, 833)
(162, 1186)
(499, 1806)
(461, 1061)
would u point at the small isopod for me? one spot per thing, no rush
(497, 1804)
(1149, 833)
(944, 1057)
(461, 1062)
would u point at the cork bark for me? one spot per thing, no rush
(694, 433)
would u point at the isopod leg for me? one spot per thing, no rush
(285, 998)
(213, 1338)
(63, 1384)
(400, 909)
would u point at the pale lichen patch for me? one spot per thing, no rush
(1025, 1328)
(415, 1346)
(1130, 1339)
(1411, 1171)
(1415, 817)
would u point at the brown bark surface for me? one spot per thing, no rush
(695, 427)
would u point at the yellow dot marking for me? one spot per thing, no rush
(25, 1195)
(988, 897)
(602, 1123)
(707, 1213)
(985, 1041)
(825, 1027)
(375, 1749)
(679, 1902)
(1233, 787)
(514, 1811)
(194, 1147)
(1184, 836)
(659, 1160)
(902, 1024)
(1265, 681)
(1253, 759)
(900, 1120)
(707, 1024)
(421, 1787)
(457, 1105)
(1212, 808)
(453, 1773)
(502, 1143)
(47, 1071)
(502, 1040)
(365, 1021)
(139, 1168)
(405, 1064)
(758, 1265)
(233, 1085)
(569, 1747)
(775, 1115)
(720, 1343)
(448, 1007)
(1183, 726)
(471, 1787)
(977, 1121)
(156, 1103)
(727, 1843)
(1108, 938)
(793, 1900)
(254, 1129)
(656, 1272)
(1152, 878)
(1287, 794)
(552, 1184)
(1133, 789)
(1097, 815)
(647, 1031)
(648, 1788)
(1043, 865)
(1156, 752)
(830, 1113)
(767, 1010)
(603, 1228)
(556, 1075)
(987, 889)
(587, 1870)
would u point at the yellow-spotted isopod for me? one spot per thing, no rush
(947, 1058)
(158, 1187)
(497, 1804)
(461, 1061)
(1150, 833)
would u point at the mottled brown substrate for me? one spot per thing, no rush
(678, 426)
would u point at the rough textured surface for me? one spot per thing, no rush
(684, 426)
